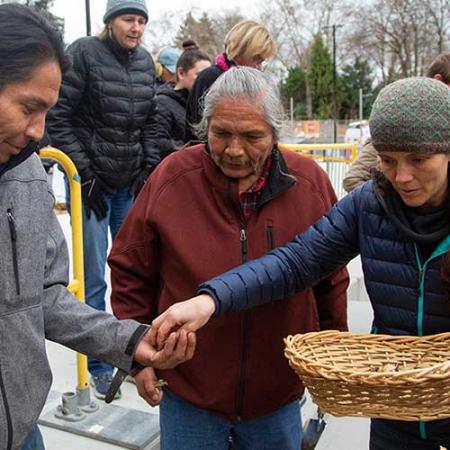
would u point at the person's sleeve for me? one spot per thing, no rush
(152, 132)
(311, 256)
(59, 118)
(360, 169)
(163, 136)
(134, 263)
(76, 325)
(331, 292)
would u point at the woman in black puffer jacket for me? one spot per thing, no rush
(171, 99)
(105, 122)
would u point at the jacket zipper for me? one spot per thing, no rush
(132, 106)
(245, 334)
(7, 412)
(270, 239)
(13, 234)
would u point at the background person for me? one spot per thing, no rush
(166, 66)
(34, 301)
(189, 44)
(398, 223)
(104, 121)
(172, 97)
(205, 209)
(248, 43)
(360, 170)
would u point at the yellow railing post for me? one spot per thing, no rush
(76, 286)
(335, 166)
(306, 148)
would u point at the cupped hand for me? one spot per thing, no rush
(189, 315)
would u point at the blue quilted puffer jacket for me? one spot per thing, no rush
(405, 291)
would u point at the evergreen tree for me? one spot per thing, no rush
(354, 77)
(320, 79)
(294, 86)
(201, 31)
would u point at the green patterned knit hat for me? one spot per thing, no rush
(412, 115)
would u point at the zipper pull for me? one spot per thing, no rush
(12, 224)
(243, 239)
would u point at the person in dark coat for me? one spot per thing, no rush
(248, 43)
(398, 223)
(171, 100)
(105, 121)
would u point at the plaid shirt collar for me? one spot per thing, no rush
(249, 198)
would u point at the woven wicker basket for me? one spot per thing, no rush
(378, 376)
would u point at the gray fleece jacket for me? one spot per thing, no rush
(35, 305)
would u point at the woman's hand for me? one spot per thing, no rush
(189, 315)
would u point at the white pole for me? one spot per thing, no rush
(360, 114)
(291, 110)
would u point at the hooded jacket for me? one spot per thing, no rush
(171, 118)
(105, 116)
(35, 304)
(186, 226)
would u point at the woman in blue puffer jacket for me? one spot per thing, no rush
(398, 222)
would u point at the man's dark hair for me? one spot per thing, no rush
(190, 57)
(440, 66)
(27, 40)
(189, 44)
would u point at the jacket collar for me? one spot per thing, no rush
(21, 157)
(279, 178)
(123, 55)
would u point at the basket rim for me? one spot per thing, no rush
(289, 341)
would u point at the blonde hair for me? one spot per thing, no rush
(248, 39)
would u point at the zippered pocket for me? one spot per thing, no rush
(13, 235)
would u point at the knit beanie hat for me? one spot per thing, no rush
(412, 115)
(115, 8)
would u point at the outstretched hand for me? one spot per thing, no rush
(187, 316)
(177, 348)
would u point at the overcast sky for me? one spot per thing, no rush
(73, 11)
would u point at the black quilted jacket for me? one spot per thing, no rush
(105, 116)
(171, 117)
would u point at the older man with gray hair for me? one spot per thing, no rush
(204, 210)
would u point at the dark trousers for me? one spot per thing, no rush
(399, 435)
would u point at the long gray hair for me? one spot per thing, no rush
(245, 83)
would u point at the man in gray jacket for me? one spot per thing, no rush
(34, 302)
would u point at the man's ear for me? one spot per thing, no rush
(438, 77)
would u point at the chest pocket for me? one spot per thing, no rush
(23, 247)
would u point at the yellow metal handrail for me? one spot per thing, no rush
(76, 286)
(307, 148)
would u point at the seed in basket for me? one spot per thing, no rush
(390, 367)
